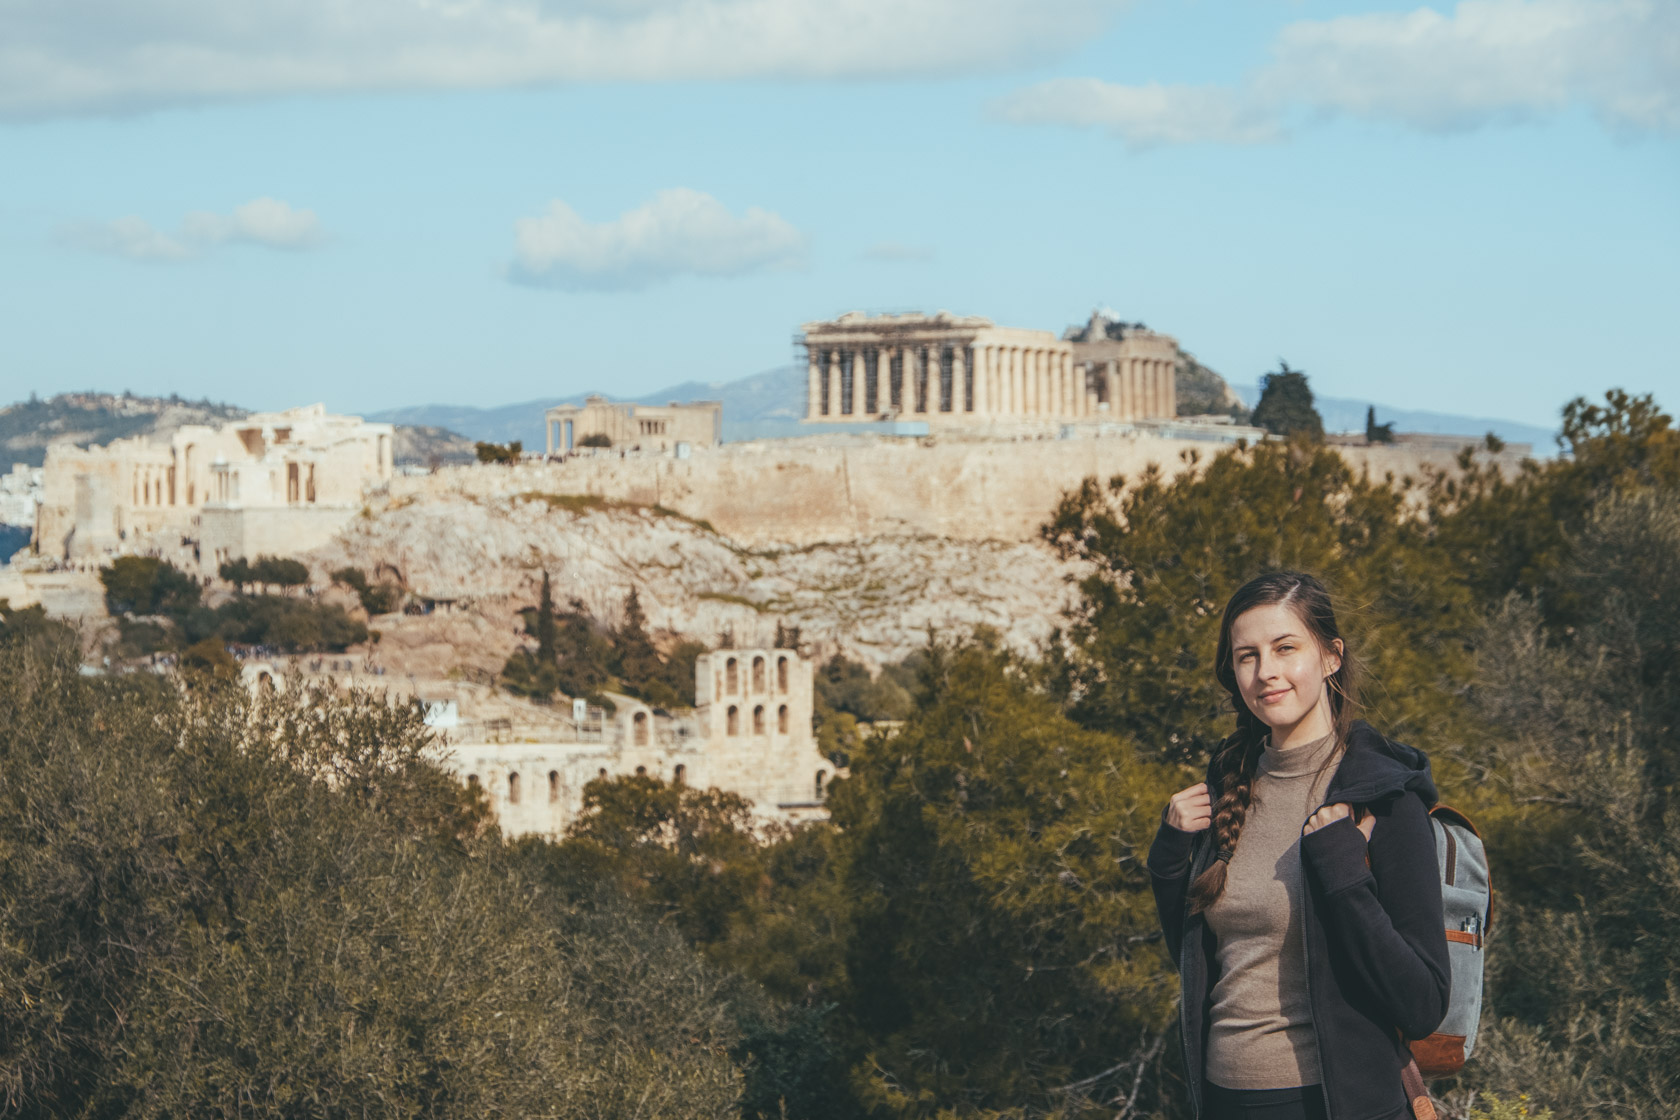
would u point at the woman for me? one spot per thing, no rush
(1297, 887)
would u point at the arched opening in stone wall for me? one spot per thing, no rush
(758, 674)
(758, 720)
(639, 729)
(553, 786)
(731, 677)
(734, 720)
(782, 720)
(781, 674)
(821, 776)
(472, 781)
(641, 771)
(679, 775)
(513, 788)
(601, 773)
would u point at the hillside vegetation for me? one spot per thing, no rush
(274, 906)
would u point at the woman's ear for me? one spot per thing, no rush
(1334, 657)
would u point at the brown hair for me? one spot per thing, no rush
(1238, 757)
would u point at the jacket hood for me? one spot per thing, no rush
(1376, 768)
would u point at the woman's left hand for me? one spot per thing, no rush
(1332, 813)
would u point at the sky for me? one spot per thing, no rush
(1470, 207)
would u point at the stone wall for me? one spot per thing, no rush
(806, 491)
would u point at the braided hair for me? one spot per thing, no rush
(1237, 759)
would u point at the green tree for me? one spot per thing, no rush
(1578, 769)
(1166, 555)
(279, 571)
(146, 585)
(381, 598)
(1286, 405)
(1003, 954)
(691, 854)
(218, 904)
(1375, 432)
(237, 572)
(1513, 531)
(209, 658)
(595, 439)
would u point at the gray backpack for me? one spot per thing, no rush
(1467, 903)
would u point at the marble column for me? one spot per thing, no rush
(833, 383)
(857, 382)
(960, 395)
(813, 391)
(982, 370)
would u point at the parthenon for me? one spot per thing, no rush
(965, 371)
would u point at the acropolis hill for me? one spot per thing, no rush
(834, 489)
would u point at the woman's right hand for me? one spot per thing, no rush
(1190, 810)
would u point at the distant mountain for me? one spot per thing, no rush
(1343, 414)
(87, 418)
(756, 407)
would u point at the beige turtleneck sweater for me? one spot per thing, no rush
(1260, 1033)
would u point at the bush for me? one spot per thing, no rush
(376, 599)
(214, 904)
(145, 585)
(499, 453)
(595, 439)
(291, 625)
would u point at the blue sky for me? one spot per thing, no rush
(1472, 207)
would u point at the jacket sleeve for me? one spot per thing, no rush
(1169, 878)
(1387, 918)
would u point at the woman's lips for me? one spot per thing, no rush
(1271, 697)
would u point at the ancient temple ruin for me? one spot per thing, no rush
(965, 371)
(750, 732)
(625, 424)
(274, 482)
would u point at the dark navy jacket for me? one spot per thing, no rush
(1376, 941)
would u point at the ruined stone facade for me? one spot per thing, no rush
(965, 372)
(272, 482)
(646, 426)
(750, 733)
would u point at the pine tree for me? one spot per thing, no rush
(545, 624)
(1375, 432)
(1286, 404)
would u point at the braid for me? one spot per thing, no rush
(1238, 764)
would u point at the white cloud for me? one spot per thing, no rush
(680, 232)
(1143, 116)
(262, 221)
(130, 237)
(1489, 61)
(59, 56)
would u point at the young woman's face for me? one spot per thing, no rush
(1281, 669)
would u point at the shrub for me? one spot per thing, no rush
(148, 586)
(595, 439)
(214, 904)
